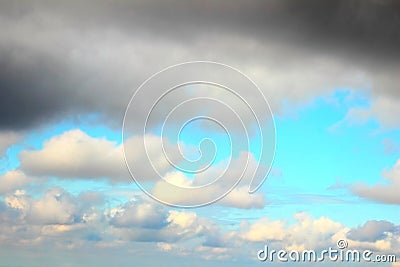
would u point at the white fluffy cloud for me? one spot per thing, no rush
(305, 233)
(13, 180)
(146, 222)
(321, 233)
(56, 207)
(143, 215)
(265, 230)
(75, 154)
(239, 197)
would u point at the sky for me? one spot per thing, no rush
(75, 99)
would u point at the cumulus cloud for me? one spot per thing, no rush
(321, 233)
(13, 180)
(75, 154)
(143, 215)
(145, 222)
(219, 179)
(386, 192)
(56, 207)
(305, 233)
(264, 230)
(372, 231)
(59, 218)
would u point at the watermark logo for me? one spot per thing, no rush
(340, 253)
(210, 103)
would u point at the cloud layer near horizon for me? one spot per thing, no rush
(59, 220)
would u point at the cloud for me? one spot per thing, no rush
(60, 221)
(320, 233)
(13, 180)
(372, 231)
(264, 230)
(55, 220)
(143, 215)
(56, 207)
(8, 139)
(305, 233)
(384, 109)
(144, 222)
(72, 65)
(219, 179)
(385, 192)
(75, 154)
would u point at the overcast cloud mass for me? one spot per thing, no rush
(69, 58)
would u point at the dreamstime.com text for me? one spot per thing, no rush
(340, 253)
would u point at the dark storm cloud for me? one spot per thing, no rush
(31, 91)
(367, 25)
(69, 58)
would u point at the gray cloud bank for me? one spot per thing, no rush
(68, 58)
